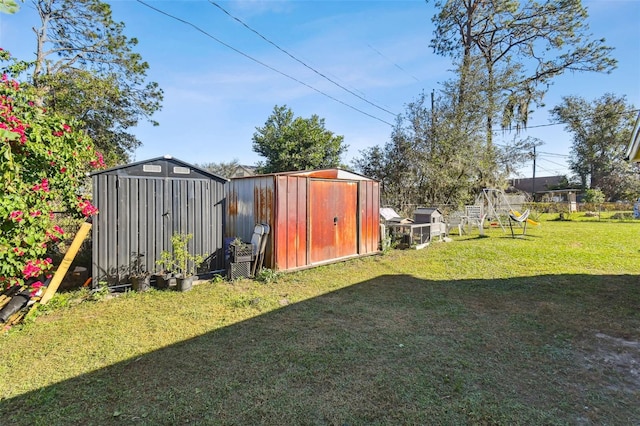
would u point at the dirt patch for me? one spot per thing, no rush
(617, 358)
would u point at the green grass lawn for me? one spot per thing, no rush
(543, 329)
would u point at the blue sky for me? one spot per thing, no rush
(221, 86)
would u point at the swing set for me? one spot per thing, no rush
(495, 206)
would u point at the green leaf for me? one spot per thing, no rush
(9, 6)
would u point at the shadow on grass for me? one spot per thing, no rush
(392, 350)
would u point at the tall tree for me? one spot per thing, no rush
(85, 67)
(429, 160)
(432, 157)
(295, 143)
(510, 50)
(601, 131)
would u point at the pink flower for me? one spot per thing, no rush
(35, 288)
(66, 128)
(16, 216)
(87, 208)
(98, 162)
(63, 169)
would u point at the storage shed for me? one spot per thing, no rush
(431, 215)
(427, 215)
(141, 205)
(315, 217)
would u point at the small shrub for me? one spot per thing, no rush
(217, 278)
(622, 216)
(267, 276)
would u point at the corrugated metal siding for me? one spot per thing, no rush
(300, 210)
(333, 219)
(369, 205)
(251, 201)
(290, 234)
(139, 216)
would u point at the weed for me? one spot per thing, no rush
(217, 278)
(267, 276)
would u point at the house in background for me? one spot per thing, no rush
(633, 152)
(533, 186)
(633, 155)
(243, 171)
(547, 189)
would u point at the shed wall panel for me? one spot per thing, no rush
(138, 216)
(251, 201)
(291, 223)
(332, 219)
(369, 205)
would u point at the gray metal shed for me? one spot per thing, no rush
(141, 205)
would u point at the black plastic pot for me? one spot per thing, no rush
(141, 283)
(185, 284)
(164, 281)
(16, 303)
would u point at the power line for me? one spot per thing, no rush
(397, 66)
(552, 162)
(525, 128)
(260, 62)
(553, 154)
(298, 60)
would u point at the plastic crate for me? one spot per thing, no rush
(239, 270)
(241, 253)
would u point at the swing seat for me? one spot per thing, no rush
(516, 220)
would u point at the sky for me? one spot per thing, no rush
(225, 65)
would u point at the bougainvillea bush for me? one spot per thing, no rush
(43, 163)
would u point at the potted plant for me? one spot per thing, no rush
(180, 262)
(240, 251)
(140, 278)
(164, 279)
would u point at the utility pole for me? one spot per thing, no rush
(433, 121)
(533, 181)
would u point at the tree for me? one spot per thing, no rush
(44, 158)
(510, 51)
(429, 159)
(9, 6)
(223, 169)
(594, 196)
(85, 67)
(601, 131)
(294, 143)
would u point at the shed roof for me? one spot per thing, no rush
(633, 152)
(334, 173)
(137, 169)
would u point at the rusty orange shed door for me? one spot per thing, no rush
(333, 219)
